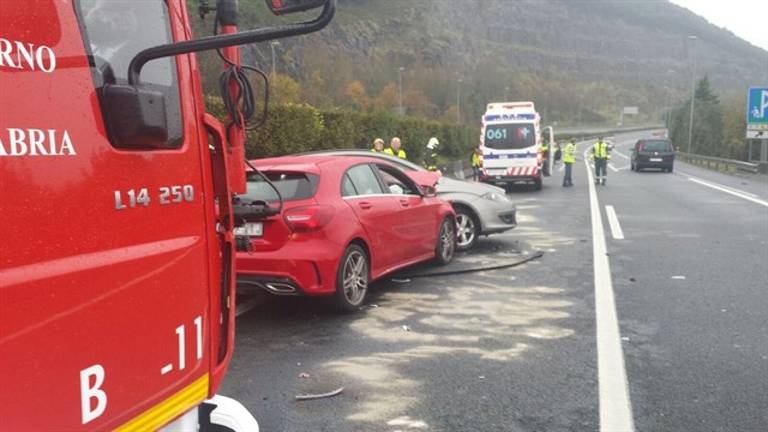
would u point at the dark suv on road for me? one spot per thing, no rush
(653, 153)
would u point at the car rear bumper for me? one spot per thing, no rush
(646, 162)
(300, 268)
(505, 179)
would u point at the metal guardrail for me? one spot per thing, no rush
(719, 164)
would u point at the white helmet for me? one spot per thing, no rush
(433, 143)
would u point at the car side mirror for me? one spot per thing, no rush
(282, 7)
(428, 191)
(135, 116)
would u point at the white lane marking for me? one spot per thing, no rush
(620, 154)
(167, 368)
(718, 184)
(613, 221)
(610, 165)
(615, 406)
(734, 192)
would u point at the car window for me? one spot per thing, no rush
(293, 186)
(114, 32)
(347, 188)
(364, 180)
(655, 146)
(395, 182)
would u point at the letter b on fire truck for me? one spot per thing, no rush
(91, 380)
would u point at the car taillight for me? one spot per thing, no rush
(311, 218)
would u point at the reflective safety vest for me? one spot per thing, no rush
(600, 150)
(569, 153)
(400, 153)
(475, 160)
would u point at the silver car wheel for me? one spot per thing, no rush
(447, 240)
(465, 230)
(355, 281)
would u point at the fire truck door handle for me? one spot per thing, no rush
(365, 205)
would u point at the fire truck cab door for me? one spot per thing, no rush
(107, 252)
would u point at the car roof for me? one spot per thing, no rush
(311, 163)
(364, 153)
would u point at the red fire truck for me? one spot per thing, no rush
(117, 213)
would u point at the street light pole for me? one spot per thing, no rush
(458, 100)
(400, 89)
(693, 88)
(272, 45)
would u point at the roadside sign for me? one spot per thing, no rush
(631, 110)
(757, 108)
(757, 134)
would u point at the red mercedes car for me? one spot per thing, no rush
(345, 221)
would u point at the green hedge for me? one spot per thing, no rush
(301, 128)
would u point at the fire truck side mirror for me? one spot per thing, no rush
(282, 7)
(135, 116)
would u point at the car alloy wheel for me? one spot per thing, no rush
(352, 278)
(446, 241)
(466, 230)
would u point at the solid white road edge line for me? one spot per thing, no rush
(739, 194)
(613, 221)
(615, 406)
(717, 184)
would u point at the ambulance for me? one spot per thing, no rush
(511, 144)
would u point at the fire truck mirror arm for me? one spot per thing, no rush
(223, 41)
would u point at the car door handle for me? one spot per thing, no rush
(405, 203)
(365, 205)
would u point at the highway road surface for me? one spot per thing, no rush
(648, 312)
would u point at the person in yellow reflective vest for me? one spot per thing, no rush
(477, 163)
(394, 149)
(569, 158)
(378, 145)
(601, 155)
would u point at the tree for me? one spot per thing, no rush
(356, 95)
(315, 91)
(284, 89)
(387, 99)
(707, 122)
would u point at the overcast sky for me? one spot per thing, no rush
(748, 19)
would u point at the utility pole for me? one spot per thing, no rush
(458, 100)
(668, 90)
(272, 45)
(400, 70)
(692, 62)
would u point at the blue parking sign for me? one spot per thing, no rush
(757, 108)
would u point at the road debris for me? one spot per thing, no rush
(407, 328)
(304, 375)
(678, 277)
(304, 397)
